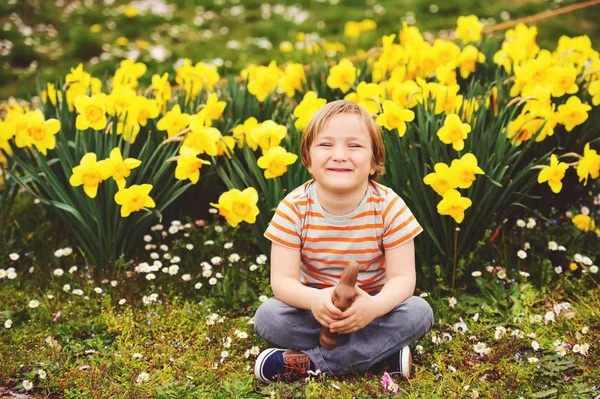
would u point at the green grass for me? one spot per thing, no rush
(74, 43)
(86, 343)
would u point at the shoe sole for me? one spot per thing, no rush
(259, 363)
(406, 362)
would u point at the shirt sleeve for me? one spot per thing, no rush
(285, 226)
(399, 224)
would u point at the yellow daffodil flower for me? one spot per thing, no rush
(468, 59)
(268, 134)
(306, 109)
(128, 73)
(469, 28)
(588, 165)
(120, 101)
(584, 222)
(553, 174)
(238, 206)
(117, 167)
(174, 121)
(465, 170)
(342, 76)
(442, 179)
(352, 29)
(367, 25)
(454, 132)
(146, 108)
(225, 146)
(195, 78)
(242, 133)
(263, 80)
(92, 112)
(368, 96)
(275, 161)
(88, 174)
(134, 199)
(188, 165)
(213, 109)
(563, 80)
(162, 89)
(52, 94)
(293, 79)
(395, 117)
(454, 205)
(407, 94)
(79, 82)
(573, 113)
(37, 131)
(201, 138)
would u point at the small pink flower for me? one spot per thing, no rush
(200, 222)
(386, 380)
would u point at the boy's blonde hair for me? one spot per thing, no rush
(323, 116)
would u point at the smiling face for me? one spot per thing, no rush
(341, 156)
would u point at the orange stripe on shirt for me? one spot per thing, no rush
(341, 251)
(292, 207)
(375, 199)
(391, 204)
(341, 239)
(305, 202)
(374, 279)
(342, 228)
(285, 216)
(315, 215)
(380, 259)
(400, 212)
(400, 226)
(284, 229)
(280, 241)
(405, 238)
(372, 212)
(338, 262)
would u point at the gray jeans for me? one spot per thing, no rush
(291, 328)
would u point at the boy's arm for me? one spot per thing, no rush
(401, 278)
(286, 285)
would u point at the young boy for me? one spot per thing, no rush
(341, 215)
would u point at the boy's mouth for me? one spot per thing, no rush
(339, 170)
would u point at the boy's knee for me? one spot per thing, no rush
(421, 308)
(265, 315)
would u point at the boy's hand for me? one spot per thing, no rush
(323, 308)
(357, 316)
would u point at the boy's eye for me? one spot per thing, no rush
(325, 145)
(354, 145)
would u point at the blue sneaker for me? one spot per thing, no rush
(401, 361)
(275, 364)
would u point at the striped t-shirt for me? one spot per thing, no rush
(328, 242)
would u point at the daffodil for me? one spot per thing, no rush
(465, 170)
(469, 28)
(275, 161)
(52, 94)
(564, 80)
(573, 113)
(263, 80)
(293, 79)
(225, 146)
(242, 133)
(88, 174)
(202, 139)
(38, 132)
(584, 222)
(368, 96)
(395, 117)
(442, 180)
(352, 29)
(342, 76)
(238, 206)
(306, 109)
(588, 165)
(162, 89)
(92, 112)
(454, 205)
(468, 59)
(145, 108)
(174, 121)
(117, 167)
(134, 199)
(128, 73)
(197, 77)
(454, 132)
(268, 134)
(553, 174)
(213, 109)
(188, 165)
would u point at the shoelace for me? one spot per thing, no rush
(296, 364)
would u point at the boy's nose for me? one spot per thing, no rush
(339, 153)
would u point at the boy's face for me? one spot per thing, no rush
(341, 155)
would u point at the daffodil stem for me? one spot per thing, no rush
(455, 256)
